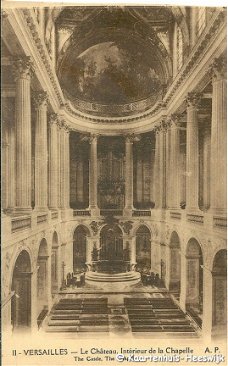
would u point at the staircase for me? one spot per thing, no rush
(79, 315)
(157, 315)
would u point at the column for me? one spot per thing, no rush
(59, 162)
(41, 178)
(64, 166)
(152, 175)
(207, 303)
(93, 175)
(23, 70)
(218, 137)
(53, 162)
(192, 178)
(183, 287)
(156, 185)
(162, 167)
(129, 175)
(175, 161)
(133, 252)
(139, 178)
(168, 143)
(11, 167)
(67, 167)
(206, 166)
(89, 248)
(5, 164)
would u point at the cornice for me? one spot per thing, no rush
(142, 120)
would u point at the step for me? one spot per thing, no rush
(60, 329)
(52, 323)
(64, 317)
(95, 328)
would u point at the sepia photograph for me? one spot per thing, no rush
(114, 184)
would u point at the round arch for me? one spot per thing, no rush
(219, 291)
(135, 229)
(194, 280)
(21, 287)
(86, 227)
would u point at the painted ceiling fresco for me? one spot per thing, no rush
(111, 73)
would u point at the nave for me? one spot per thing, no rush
(132, 313)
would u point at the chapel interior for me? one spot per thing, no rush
(114, 170)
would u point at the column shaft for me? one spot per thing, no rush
(167, 167)
(206, 167)
(53, 162)
(93, 174)
(192, 179)
(156, 184)
(64, 167)
(23, 134)
(41, 177)
(162, 168)
(175, 168)
(67, 170)
(218, 137)
(129, 175)
(62, 162)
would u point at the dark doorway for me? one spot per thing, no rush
(79, 249)
(143, 249)
(175, 263)
(219, 274)
(21, 286)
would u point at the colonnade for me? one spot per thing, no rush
(168, 154)
(52, 157)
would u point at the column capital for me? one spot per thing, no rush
(193, 99)
(175, 120)
(53, 119)
(132, 138)
(23, 67)
(62, 124)
(163, 125)
(218, 68)
(40, 99)
(93, 138)
(90, 138)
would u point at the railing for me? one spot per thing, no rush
(42, 218)
(220, 222)
(117, 109)
(81, 213)
(175, 215)
(54, 215)
(141, 213)
(20, 223)
(195, 218)
(113, 212)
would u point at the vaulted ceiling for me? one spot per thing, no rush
(115, 55)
